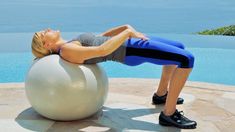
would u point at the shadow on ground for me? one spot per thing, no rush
(111, 119)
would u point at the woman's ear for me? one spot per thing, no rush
(46, 45)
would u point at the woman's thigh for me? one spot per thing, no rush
(167, 41)
(139, 51)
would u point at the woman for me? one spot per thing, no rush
(125, 45)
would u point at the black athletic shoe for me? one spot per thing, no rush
(178, 120)
(162, 99)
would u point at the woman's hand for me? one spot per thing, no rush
(141, 35)
(136, 34)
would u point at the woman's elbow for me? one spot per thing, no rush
(102, 51)
(128, 26)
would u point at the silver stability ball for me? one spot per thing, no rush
(65, 91)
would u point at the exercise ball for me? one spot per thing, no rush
(60, 90)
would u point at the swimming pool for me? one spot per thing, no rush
(214, 60)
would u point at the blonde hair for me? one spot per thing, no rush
(37, 47)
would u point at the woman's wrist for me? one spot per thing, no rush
(131, 28)
(129, 32)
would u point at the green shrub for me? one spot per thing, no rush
(228, 30)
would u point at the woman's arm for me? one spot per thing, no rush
(78, 54)
(114, 31)
(115, 42)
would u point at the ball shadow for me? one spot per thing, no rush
(106, 119)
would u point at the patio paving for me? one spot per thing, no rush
(127, 108)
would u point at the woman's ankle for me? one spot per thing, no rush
(169, 112)
(161, 93)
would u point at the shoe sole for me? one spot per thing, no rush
(154, 103)
(183, 127)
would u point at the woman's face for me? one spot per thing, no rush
(50, 37)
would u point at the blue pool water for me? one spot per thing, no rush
(215, 68)
(150, 16)
(215, 65)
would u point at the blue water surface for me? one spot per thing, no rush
(150, 16)
(215, 65)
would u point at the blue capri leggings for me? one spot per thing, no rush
(157, 51)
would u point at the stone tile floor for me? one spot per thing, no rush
(127, 108)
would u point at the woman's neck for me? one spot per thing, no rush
(58, 45)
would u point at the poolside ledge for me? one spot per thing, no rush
(128, 108)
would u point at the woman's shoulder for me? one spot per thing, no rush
(73, 42)
(69, 45)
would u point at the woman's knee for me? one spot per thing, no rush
(187, 61)
(180, 45)
(191, 60)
